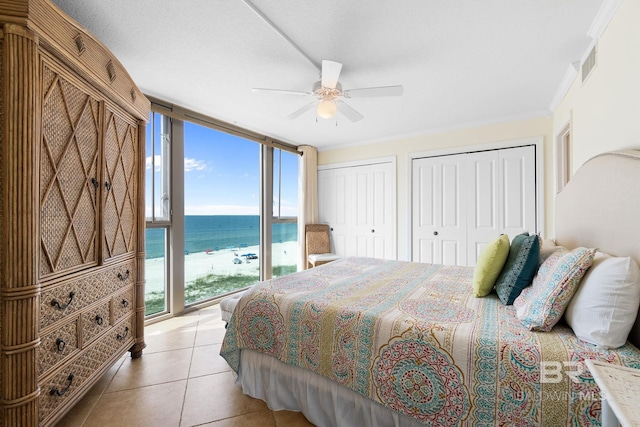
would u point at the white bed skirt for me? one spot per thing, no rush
(322, 401)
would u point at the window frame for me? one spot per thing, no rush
(174, 264)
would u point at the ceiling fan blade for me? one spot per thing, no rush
(301, 110)
(285, 92)
(373, 91)
(330, 73)
(349, 111)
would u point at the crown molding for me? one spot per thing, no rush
(603, 17)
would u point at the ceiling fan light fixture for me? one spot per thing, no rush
(326, 109)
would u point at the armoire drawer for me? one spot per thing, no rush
(56, 347)
(66, 298)
(70, 378)
(94, 322)
(123, 304)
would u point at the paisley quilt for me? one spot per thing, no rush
(413, 338)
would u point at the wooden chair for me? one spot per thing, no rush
(318, 245)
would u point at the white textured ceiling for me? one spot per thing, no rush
(461, 62)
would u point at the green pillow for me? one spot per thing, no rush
(521, 266)
(489, 265)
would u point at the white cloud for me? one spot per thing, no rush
(193, 164)
(189, 164)
(157, 162)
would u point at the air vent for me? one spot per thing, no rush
(589, 63)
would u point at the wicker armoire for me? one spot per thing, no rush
(72, 130)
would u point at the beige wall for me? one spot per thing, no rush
(604, 112)
(605, 109)
(537, 127)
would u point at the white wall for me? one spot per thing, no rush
(475, 136)
(605, 109)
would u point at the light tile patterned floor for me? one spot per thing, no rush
(180, 381)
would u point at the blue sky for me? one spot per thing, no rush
(222, 174)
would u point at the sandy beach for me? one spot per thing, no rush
(219, 262)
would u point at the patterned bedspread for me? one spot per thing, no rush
(412, 337)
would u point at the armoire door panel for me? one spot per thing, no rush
(121, 141)
(69, 174)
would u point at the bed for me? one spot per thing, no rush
(364, 341)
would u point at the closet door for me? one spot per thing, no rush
(460, 202)
(502, 199)
(373, 211)
(359, 204)
(484, 201)
(439, 215)
(518, 190)
(334, 206)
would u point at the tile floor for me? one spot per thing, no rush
(180, 381)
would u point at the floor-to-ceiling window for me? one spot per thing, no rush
(221, 212)
(157, 212)
(206, 193)
(284, 234)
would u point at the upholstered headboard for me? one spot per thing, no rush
(600, 208)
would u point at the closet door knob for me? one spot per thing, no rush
(435, 233)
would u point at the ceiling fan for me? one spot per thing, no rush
(329, 95)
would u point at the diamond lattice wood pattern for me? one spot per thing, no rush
(69, 159)
(121, 141)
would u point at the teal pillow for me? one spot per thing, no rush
(521, 266)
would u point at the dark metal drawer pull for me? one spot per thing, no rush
(63, 391)
(124, 276)
(99, 320)
(107, 185)
(95, 183)
(122, 337)
(55, 303)
(125, 303)
(60, 344)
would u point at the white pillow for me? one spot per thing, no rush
(547, 248)
(604, 307)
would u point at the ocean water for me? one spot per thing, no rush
(203, 232)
